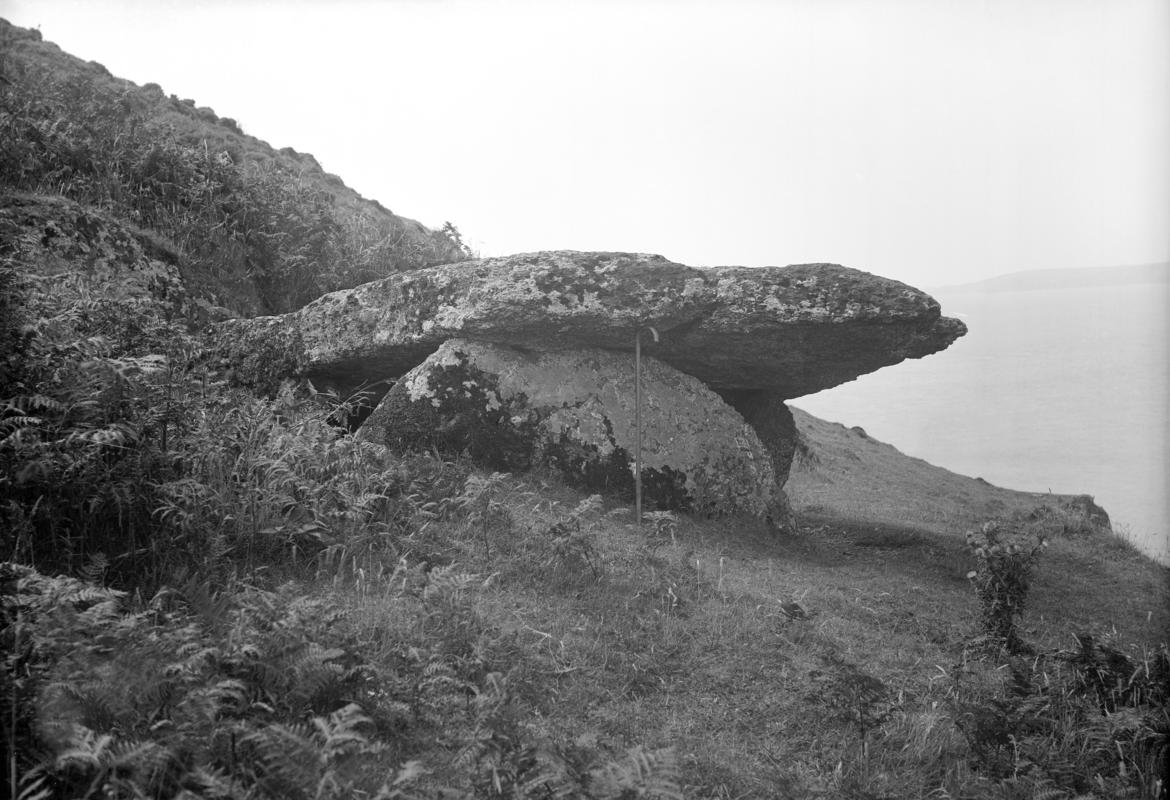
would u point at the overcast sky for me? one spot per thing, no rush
(933, 142)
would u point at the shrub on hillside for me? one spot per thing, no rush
(1092, 721)
(1071, 517)
(111, 447)
(1006, 555)
(87, 420)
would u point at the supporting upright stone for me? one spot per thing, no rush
(573, 411)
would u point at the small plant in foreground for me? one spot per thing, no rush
(664, 525)
(1007, 555)
(853, 695)
(1088, 722)
(485, 511)
(571, 543)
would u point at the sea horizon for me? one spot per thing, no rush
(1059, 388)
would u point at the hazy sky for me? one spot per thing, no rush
(929, 141)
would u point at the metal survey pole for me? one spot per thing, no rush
(638, 422)
(638, 427)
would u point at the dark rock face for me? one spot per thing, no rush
(573, 411)
(789, 330)
(773, 423)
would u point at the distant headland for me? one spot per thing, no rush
(1068, 278)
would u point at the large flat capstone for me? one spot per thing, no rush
(790, 330)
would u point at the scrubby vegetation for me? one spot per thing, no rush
(216, 639)
(206, 593)
(237, 211)
(217, 595)
(1006, 555)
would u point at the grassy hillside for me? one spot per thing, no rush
(259, 230)
(208, 594)
(352, 620)
(863, 479)
(883, 502)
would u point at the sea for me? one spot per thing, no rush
(1060, 388)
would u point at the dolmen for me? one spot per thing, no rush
(527, 361)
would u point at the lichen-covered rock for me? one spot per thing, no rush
(790, 330)
(772, 421)
(61, 240)
(573, 411)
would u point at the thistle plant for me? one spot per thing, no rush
(1007, 554)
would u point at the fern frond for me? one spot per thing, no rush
(227, 698)
(213, 783)
(589, 506)
(196, 654)
(86, 750)
(213, 607)
(479, 744)
(147, 767)
(287, 758)
(316, 675)
(1050, 793)
(18, 421)
(35, 401)
(98, 703)
(554, 777)
(101, 614)
(95, 570)
(396, 788)
(34, 784)
(61, 590)
(446, 585)
(653, 774)
(341, 731)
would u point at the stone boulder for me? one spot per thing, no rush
(573, 411)
(60, 240)
(788, 330)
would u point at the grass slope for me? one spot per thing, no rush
(854, 476)
(25, 51)
(828, 663)
(257, 230)
(484, 624)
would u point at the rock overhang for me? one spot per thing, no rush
(790, 330)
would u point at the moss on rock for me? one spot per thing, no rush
(573, 412)
(460, 409)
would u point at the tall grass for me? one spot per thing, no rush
(238, 213)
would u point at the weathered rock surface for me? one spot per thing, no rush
(773, 423)
(772, 420)
(573, 410)
(61, 240)
(789, 330)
